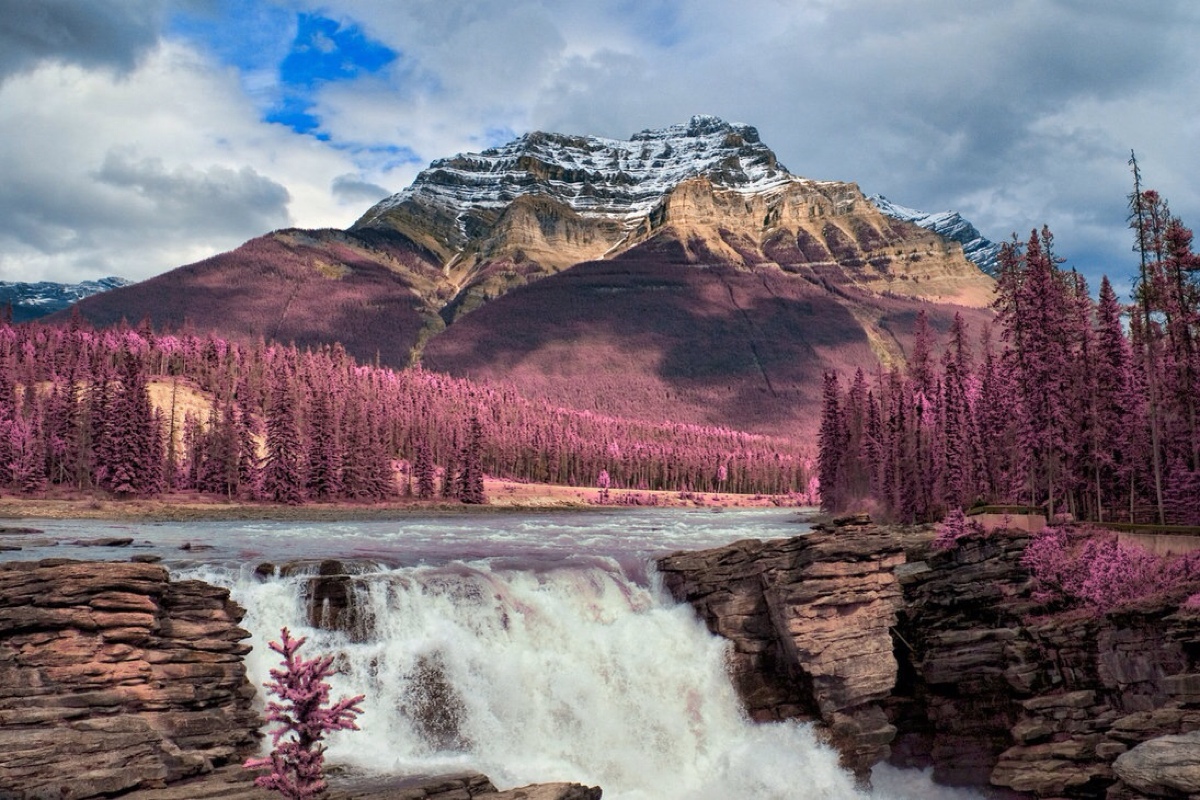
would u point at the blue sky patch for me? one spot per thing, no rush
(284, 57)
(323, 51)
(253, 37)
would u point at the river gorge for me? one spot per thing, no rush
(567, 647)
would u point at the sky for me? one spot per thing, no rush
(142, 135)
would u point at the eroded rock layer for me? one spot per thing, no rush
(943, 659)
(114, 677)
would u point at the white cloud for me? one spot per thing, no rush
(136, 174)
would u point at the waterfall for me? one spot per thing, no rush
(564, 672)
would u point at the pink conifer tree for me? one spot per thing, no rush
(304, 715)
(423, 472)
(283, 479)
(832, 445)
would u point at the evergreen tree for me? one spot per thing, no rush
(423, 472)
(471, 478)
(832, 446)
(283, 478)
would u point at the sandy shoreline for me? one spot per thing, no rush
(502, 496)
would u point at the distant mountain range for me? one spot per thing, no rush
(33, 300)
(682, 274)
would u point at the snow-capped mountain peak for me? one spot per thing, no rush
(38, 299)
(621, 180)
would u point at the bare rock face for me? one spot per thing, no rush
(113, 677)
(810, 620)
(944, 660)
(1168, 766)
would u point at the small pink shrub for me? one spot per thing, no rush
(954, 528)
(1096, 570)
(304, 716)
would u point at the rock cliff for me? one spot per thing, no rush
(941, 659)
(113, 677)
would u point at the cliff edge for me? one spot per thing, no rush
(944, 659)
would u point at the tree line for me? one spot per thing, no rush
(1081, 407)
(134, 412)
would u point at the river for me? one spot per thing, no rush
(531, 647)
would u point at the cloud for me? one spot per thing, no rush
(138, 174)
(353, 190)
(216, 200)
(1017, 113)
(89, 33)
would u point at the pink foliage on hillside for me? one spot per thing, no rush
(954, 528)
(330, 429)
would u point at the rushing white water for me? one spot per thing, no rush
(575, 674)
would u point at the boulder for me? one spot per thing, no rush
(1168, 766)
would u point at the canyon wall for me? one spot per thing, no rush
(944, 659)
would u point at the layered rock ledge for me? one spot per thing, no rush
(114, 677)
(943, 659)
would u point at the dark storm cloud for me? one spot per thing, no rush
(90, 33)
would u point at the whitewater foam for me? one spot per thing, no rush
(569, 673)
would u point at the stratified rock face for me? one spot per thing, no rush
(941, 659)
(1041, 705)
(113, 677)
(607, 187)
(810, 621)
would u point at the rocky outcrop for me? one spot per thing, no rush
(114, 677)
(810, 621)
(235, 783)
(970, 674)
(1168, 766)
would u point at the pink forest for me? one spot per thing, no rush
(1071, 410)
(134, 413)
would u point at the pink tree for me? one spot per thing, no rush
(304, 716)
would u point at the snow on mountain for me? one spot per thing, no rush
(622, 180)
(33, 300)
(980, 250)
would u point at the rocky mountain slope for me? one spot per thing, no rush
(978, 249)
(33, 300)
(683, 273)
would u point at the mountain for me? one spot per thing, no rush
(547, 201)
(31, 301)
(681, 274)
(981, 251)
